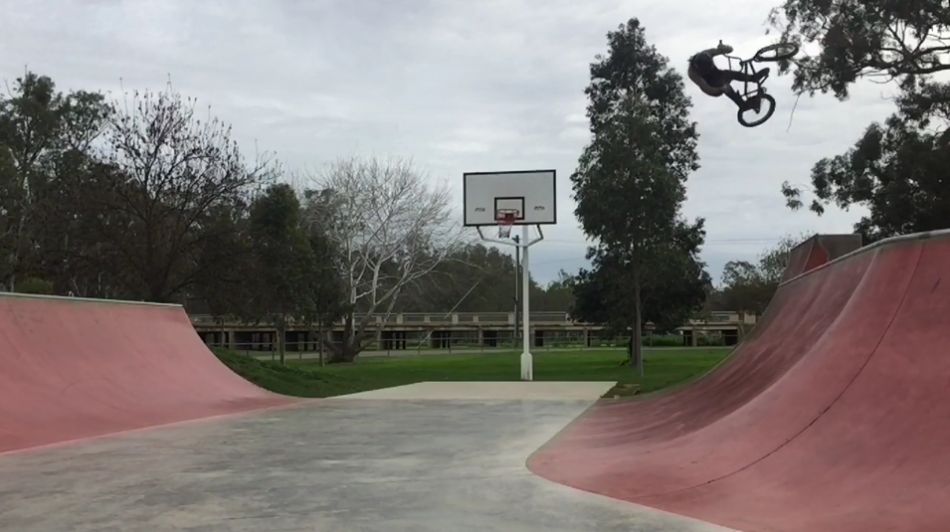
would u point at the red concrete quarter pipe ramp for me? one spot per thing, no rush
(833, 415)
(73, 368)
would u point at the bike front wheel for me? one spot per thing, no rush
(776, 52)
(751, 117)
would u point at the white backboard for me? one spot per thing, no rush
(529, 193)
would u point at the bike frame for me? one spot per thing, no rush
(747, 67)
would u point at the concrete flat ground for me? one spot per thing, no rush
(487, 391)
(435, 461)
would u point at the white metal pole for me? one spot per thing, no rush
(514, 330)
(527, 366)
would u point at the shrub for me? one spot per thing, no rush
(34, 285)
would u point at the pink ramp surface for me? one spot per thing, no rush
(834, 415)
(73, 368)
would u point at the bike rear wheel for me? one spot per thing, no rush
(776, 52)
(758, 117)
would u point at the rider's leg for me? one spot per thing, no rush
(703, 84)
(734, 75)
(734, 96)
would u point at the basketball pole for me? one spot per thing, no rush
(517, 296)
(505, 199)
(527, 363)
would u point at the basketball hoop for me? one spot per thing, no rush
(525, 198)
(506, 219)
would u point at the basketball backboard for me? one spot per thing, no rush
(529, 194)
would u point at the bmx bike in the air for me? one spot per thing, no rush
(757, 100)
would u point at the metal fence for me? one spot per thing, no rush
(417, 318)
(266, 347)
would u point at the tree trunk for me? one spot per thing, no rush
(337, 352)
(347, 348)
(351, 349)
(637, 341)
(345, 352)
(351, 345)
(320, 340)
(281, 337)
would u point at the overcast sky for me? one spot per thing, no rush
(456, 85)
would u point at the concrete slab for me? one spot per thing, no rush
(485, 391)
(342, 465)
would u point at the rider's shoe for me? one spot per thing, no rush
(752, 104)
(761, 74)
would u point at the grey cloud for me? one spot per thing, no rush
(455, 85)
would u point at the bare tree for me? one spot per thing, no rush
(173, 169)
(390, 229)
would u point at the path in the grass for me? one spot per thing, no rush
(421, 463)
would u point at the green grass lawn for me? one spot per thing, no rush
(306, 378)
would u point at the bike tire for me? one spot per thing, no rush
(776, 52)
(762, 117)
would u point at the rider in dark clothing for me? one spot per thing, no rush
(715, 82)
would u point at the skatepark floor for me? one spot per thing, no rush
(433, 456)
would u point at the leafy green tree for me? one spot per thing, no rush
(558, 295)
(670, 294)
(477, 278)
(896, 168)
(748, 287)
(45, 139)
(879, 39)
(29, 129)
(745, 288)
(630, 180)
(324, 286)
(471, 278)
(286, 283)
(224, 264)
